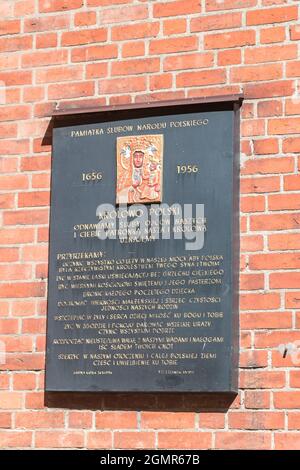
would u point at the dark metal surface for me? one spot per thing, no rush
(215, 148)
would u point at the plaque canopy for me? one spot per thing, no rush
(144, 248)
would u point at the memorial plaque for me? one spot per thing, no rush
(144, 249)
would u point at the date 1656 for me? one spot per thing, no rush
(92, 176)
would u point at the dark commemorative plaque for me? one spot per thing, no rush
(144, 249)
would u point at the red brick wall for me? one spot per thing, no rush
(54, 52)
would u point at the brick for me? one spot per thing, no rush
(159, 82)
(22, 289)
(9, 326)
(288, 400)
(98, 3)
(135, 66)
(85, 18)
(25, 217)
(49, 6)
(80, 419)
(24, 7)
(272, 339)
(134, 440)
(37, 163)
(176, 8)
(44, 41)
(211, 420)
(174, 26)
(34, 325)
(277, 202)
(295, 378)
(99, 440)
(286, 241)
(272, 261)
(271, 54)
(10, 400)
(40, 419)
(116, 420)
(268, 89)
(59, 74)
(32, 94)
(251, 281)
(18, 43)
(260, 185)
(10, 27)
(40, 180)
(291, 144)
(272, 15)
(71, 90)
(256, 73)
(122, 85)
(135, 31)
(287, 441)
(230, 57)
(123, 14)
(284, 126)
(268, 147)
(272, 35)
(274, 222)
(9, 254)
(7, 201)
(230, 39)
(295, 32)
(270, 108)
(167, 46)
(253, 359)
(256, 399)
(263, 301)
(46, 23)
(215, 22)
(23, 308)
(24, 382)
(188, 61)
(35, 253)
(256, 420)
(5, 420)
(184, 440)
(15, 439)
(86, 36)
(13, 236)
(253, 204)
(255, 379)
(133, 49)
(34, 400)
(33, 199)
(167, 420)
(243, 440)
(265, 320)
(212, 5)
(252, 127)
(59, 439)
(251, 243)
(94, 53)
(293, 420)
(287, 280)
(204, 77)
(40, 58)
(14, 113)
(292, 107)
(13, 272)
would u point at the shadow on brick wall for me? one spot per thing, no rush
(141, 401)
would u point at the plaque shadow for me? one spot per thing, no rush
(130, 401)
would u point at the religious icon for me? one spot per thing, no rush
(139, 169)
